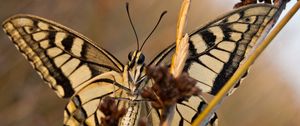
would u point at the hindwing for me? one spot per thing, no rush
(83, 107)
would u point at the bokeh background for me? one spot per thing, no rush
(269, 96)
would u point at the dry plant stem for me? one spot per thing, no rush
(180, 27)
(182, 19)
(168, 111)
(180, 56)
(244, 67)
(167, 115)
(178, 59)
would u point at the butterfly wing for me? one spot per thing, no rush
(185, 113)
(64, 58)
(83, 107)
(216, 51)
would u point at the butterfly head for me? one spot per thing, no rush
(136, 57)
(136, 65)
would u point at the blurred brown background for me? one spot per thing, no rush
(269, 96)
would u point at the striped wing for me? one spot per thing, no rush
(216, 51)
(186, 112)
(83, 107)
(64, 58)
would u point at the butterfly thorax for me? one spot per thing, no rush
(134, 76)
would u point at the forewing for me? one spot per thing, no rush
(64, 58)
(217, 49)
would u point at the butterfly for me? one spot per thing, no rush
(75, 68)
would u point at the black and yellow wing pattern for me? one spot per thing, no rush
(216, 51)
(75, 67)
(64, 58)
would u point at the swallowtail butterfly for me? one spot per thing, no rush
(75, 68)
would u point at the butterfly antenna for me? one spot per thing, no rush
(159, 20)
(137, 39)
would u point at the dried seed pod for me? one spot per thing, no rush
(167, 90)
(111, 112)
